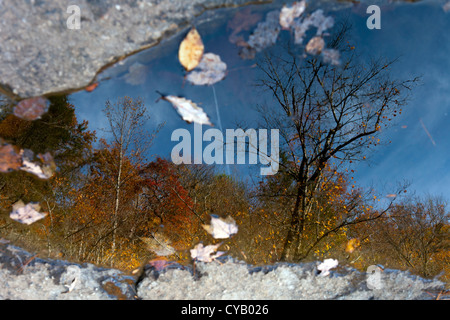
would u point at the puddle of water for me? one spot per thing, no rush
(420, 144)
(415, 33)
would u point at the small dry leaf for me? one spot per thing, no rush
(446, 7)
(266, 32)
(188, 110)
(316, 19)
(42, 171)
(159, 263)
(191, 50)
(315, 45)
(326, 266)
(221, 228)
(212, 70)
(159, 244)
(10, 159)
(352, 244)
(391, 195)
(26, 214)
(206, 254)
(331, 56)
(91, 87)
(288, 14)
(32, 108)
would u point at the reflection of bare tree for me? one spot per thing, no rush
(415, 231)
(326, 115)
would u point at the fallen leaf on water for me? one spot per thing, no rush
(266, 32)
(188, 110)
(137, 73)
(159, 244)
(32, 108)
(91, 87)
(44, 170)
(326, 266)
(315, 45)
(316, 19)
(391, 195)
(352, 244)
(159, 263)
(191, 50)
(26, 214)
(331, 56)
(212, 70)
(288, 14)
(446, 7)
(221, 228)
(206, 254)
(10, 158)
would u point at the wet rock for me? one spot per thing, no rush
(39, 54)
(24, 275)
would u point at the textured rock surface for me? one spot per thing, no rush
(23, 276)
(40, 55)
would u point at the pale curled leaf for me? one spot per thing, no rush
(221, 228)
(288, 14)
(26, 214)
(211, 70)
(191, 50)
(326, 266)
(44, 170)
(206, 254)
(188, 110)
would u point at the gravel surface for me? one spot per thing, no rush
(24, 276)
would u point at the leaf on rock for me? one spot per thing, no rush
(212, 70)
(26, 214)
(10, 158)
(315, 45)
(191, 50)
(326, 266)
(159, 244)
(221, 228)
(206, 254)
(32, 108)
(188, 110)
(288, 14)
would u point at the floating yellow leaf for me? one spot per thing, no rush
(191, 50)
(352, 244)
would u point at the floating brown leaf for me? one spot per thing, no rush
(191, 50)
(32, 108)
(10, 159)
